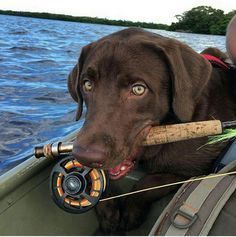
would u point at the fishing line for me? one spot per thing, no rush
(167, 185)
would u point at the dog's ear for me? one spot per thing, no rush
(189, 73)
(74, 89)
(73, 81)
(231, 39)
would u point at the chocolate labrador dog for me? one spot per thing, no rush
(130, 81)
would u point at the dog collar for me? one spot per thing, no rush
(216, 61)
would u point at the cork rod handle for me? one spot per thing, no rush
(179, 132)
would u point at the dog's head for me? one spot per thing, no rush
(129, 81)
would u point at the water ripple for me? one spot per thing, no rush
(27, 48)
(18, 32)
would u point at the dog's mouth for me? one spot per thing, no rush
(125, 166)
(121, 169)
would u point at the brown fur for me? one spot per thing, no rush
(182, 87)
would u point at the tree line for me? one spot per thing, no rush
(204, 20)
(85, 19)
(201, 19)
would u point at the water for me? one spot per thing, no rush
(35, 58)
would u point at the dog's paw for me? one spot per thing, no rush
(108, 214)
(133, 215)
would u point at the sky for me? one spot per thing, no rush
(135, 10)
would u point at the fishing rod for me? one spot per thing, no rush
(76, 188)
(157, 135)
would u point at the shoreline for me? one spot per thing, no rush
(85, 19)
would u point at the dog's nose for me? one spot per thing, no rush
(91, 157)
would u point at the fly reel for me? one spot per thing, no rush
(76, 188)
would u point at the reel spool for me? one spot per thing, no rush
(76, 188)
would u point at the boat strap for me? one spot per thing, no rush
(198, 208)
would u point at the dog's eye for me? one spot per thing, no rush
(138, 89)
(88, 86)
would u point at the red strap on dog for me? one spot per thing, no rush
(216, 61)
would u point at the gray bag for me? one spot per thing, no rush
(206, 207)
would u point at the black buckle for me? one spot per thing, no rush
(190, 218)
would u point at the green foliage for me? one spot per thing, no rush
(204, 20)
(84, 19)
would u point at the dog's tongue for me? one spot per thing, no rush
(121, 169)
